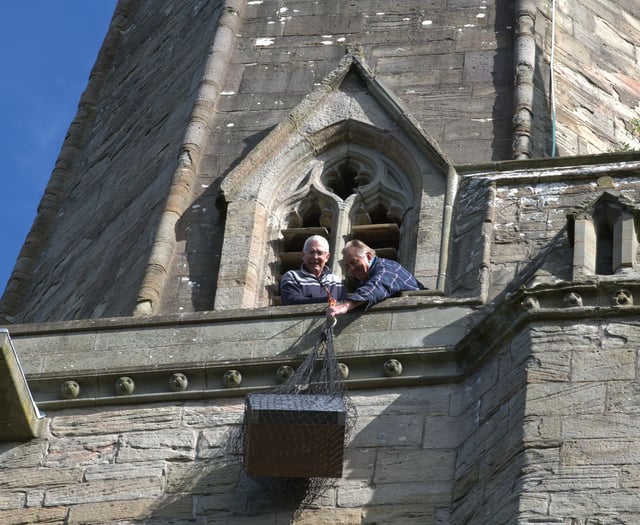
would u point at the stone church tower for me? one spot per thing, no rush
(490, 146)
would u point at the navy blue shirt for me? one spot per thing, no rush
(386, 278)
(302, 287)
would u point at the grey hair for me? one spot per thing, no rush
(360, 248)
(319, 239)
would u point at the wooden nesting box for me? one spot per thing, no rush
(294, 436)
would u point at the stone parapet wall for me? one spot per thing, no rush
(96, 354)
(536, 423)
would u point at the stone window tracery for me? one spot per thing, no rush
(357, 193)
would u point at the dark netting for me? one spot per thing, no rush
(292, 439)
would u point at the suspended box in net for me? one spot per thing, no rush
(294, 435)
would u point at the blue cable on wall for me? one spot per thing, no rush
(552, 86)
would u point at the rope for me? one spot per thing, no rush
(318, 375)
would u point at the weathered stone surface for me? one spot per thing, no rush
(169, 444)
(120, 472)
(214, 413)
(421, 513)
(359, 463)
(82, 451)
(565, 398)
(329, 517)
(384, 431)
(601, 452)
(12, 500)
(395, 466)
(103, 491)
(22, 455)
(623, 396)
(28, 478)
(54, 516)
(89, 422)
(443, 432)
(595, 503)
(202, 478)
(113, 511)
(217, 442)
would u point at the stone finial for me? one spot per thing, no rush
(622, 297)
(70, 390)
(392, 368)
(178, 382)
(573, 299)
(232, 379)
(125, 386)
(283, 373)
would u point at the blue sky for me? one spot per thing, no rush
(48, 48)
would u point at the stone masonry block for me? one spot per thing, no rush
(403, 431)
(35, 515)
(600, 426)
(204, 477)
(178, 444)
(620, 451)
(103, 491)
(565, 399)
(604, 365)
(81, 451)
(114, 419)
(395, 466)
(13, 500)
(116, 511)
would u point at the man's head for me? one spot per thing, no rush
(357, 257)
(315, 254)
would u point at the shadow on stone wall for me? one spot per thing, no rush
(502, 113)
(201, 230)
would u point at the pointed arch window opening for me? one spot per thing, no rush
(357, 195)
(606, 240)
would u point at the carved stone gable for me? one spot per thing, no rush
(347, 162)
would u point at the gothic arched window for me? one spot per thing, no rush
(353, 193)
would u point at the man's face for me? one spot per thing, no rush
(357, 265)
(315, 258)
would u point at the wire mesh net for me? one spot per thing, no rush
(292, 438)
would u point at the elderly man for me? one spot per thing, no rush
(379, 278)
(313, 282)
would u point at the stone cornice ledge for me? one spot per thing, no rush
(460, 339)
(600, 299)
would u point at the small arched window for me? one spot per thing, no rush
(605, 239)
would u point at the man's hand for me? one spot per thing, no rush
(341, 308)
